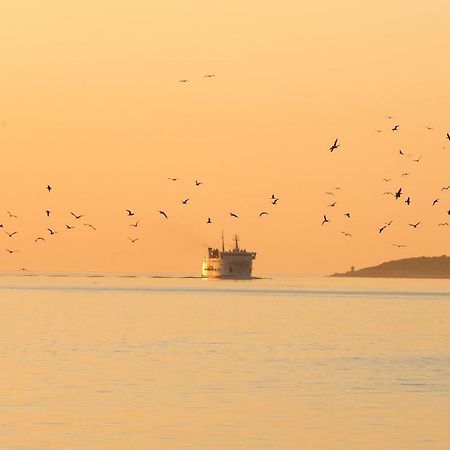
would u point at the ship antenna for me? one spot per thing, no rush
(223, 242)
(236, 240)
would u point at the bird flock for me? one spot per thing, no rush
(398, 193)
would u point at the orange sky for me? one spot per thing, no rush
(90, 103)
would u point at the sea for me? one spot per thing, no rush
(123, 361)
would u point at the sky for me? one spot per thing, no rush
(91, 104)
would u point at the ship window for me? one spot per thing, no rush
(230, 269)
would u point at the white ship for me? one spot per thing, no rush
(234, 264)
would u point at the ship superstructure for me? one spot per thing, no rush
(236, 263)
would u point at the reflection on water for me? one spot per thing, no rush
(185, 363)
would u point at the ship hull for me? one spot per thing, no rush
(239, 267)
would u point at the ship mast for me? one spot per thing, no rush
(236, 242)
(223, 242)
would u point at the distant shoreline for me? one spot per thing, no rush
(432, 267)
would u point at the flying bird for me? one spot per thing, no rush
(69, 227)
(11, 215)
(346, 234)
(183, 81)
(334, 146)
(47, 212)
(209, 220)
(90, 226)
(51, 231)
(263, 213)
(405, 174)
(395, 128)
(414, 225)
(443, 224)
(163, 213)
(325, 220)
(399, 245)
(418, 159)
(11, 234)
(172, 179)
(133, 240)
(387, 179)
(77, 216)
(49, 188)
(329, 193)
(448, 136)
(274, 201)
(382, 228)
(408, 201)
(332, 204)
(234, 215)
(11, 251)
(198, 183)
(209, 75)
(400, 152)
(39, 239)
(185, 201)
(134, 224)
(347, 214)
(435, 201)
(398, 194)
(445, 188)
(129, 213)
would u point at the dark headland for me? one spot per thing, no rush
(419, 267)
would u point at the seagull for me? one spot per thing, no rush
(47, 212)
(382, 228)
(133, 240)
(398, 194)
(346, 234)
(209, 220)
(400, 152)
(429, 128)
(378, 131)
(263, 213)
(329, 193)
(414, 225)
(388, 223)
(183, 81)
(91, 226)
(445, 188)
(172, 179)
(448, 136)
(11, 215)
(198, 183)
(51, 231)
(442, 224)
(130, 213)
(209, 75)
(332, 204)
(435, 201)
(395, 128)
(234, 215)
(325, 220)
(77, 216)
(11, 234)
(163, 213)
(408, 201)
(274, 201)
(69, 227)
(273, 197)
(134, 224)
(418, 159)
(405, 174)
(347, 214)
(11, 251)
(185, 201)
(49, 188)
(388, 193)
(399, 245)
(387, 179)
(39, 239)
(334, 146)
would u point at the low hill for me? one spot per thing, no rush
(420, 267)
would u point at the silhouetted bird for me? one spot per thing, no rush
(401, 153)
(334, 146)
(133, 240)
(234, 215)
(443, 224)
(172, 179)
(198, 183)
(329, 193)
(389, 223)
(209, 75)
(414, 225)
(69, 227)
(398, 194)
(347, 214)
(382, 228)
(387, 179)
(49, 188)
(399, 245)
(395, 128)
(163, 213)
(39, 239)
(51, 231)
(183, 81)
(47, 212)
(77, 216)
(346, 234)
(429, 128)
(332, 204)
(325, 220)
(405, 174)
(435, 201)
(90, 226)
(185, 201)
(11, 234)
(274, 201)
(130, 213)
(448, 136)
(408, 201)
(134, 224)
(209, 220)
(11, 251)
(263, 213)
(11, 215)
(445, 188)
(418, 159)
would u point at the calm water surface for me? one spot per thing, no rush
(112, 363)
